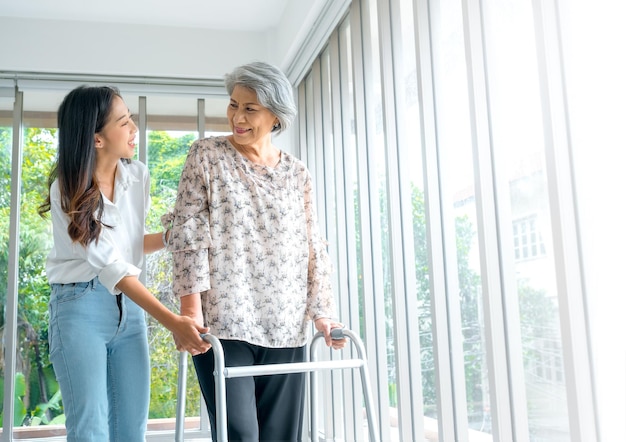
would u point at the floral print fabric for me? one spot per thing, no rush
(245, 236)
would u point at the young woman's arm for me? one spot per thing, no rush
(154, 241)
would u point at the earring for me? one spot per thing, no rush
(276, 126)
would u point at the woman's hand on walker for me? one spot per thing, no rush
(325, 325)
(187, 336)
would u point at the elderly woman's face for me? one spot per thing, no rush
(250, 122)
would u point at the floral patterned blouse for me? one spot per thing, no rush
(245, 236)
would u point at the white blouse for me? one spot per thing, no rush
(119, 250)
(246, 237)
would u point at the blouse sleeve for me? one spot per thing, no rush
(320, 301)
(190, 236)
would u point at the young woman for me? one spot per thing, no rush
(98, 199)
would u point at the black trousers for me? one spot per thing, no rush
(261, 408)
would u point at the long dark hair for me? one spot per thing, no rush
(83, 113)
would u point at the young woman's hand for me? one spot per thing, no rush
(191, 308)
(186, 328)
(186, 333)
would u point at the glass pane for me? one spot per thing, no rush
(350, 170)
(168, 141)
(378, 200)
(169, 137)
(455, 149)
(351, 182)
(596, 97)
(410, 118)
(519, 143)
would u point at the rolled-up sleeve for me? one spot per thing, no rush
(112, 272)
(190, 235)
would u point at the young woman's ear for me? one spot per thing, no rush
(97, 141)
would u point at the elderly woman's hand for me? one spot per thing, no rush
(325, 325)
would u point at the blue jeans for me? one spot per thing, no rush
(99, 351)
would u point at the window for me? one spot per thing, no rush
(527, 239)
(443, 114)
(38, 406)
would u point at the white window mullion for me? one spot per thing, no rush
(487, 228)
(333, 398)
(10, 331)
(402, 256)
(373, 291)
(316, 150)
(445, 305)
(346, 264)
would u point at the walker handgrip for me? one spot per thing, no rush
(337, 333)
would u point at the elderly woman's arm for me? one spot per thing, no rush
(321, 306)
(191, 307)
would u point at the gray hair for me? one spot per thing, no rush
(272, 88)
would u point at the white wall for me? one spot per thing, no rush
(297, 21)
(55, 46)
(106, 49)
(52, 46)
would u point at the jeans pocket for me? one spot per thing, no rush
(61, 297)
(66, 301)
(69, 292)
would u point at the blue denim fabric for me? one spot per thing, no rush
(101, 361)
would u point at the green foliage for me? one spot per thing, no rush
(5, 167)
(166, 160)
(538, 325)
(42, 412)
(19, 412)
(164, 384)
(167, 155)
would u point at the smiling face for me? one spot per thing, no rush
(116, 140)
(250, 122)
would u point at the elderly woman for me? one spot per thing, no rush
(249, 260)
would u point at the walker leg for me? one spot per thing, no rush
(220, 389)
(365, 382)
(180, 398)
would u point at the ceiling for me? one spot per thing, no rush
(238, 15)
(228, 15)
